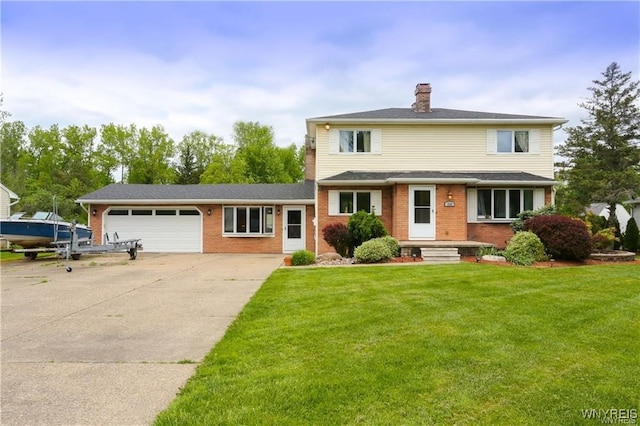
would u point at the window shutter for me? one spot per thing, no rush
(534, 141)
(472, 205)
(492, 141)
(376, 141)
(376, 202)
(334, 202)
(538, 198)
(334, 141)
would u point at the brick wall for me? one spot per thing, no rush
(451, 221)
(323, 211)
(495, 233)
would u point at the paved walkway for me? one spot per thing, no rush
(112, 342)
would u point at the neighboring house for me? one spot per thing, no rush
(635, 209)
(431, 174)
(7, 199)
(602, 209)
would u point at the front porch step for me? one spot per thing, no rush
(440, 255)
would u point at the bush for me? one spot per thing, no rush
(392, 243)
(516, 225)
(338, 236)
(373, 251)
(303, 257)
(603, 239)
(563, 237)
(631, 240)
(525, 248)
(595, 223)
(365, 226)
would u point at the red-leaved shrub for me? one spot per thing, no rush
(339, 237)
(563, 237)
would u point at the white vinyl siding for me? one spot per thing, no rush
(436, 147)
(335, 198)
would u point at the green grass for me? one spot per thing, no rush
(9, 256)
(451, 344)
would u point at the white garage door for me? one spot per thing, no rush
(170, 230)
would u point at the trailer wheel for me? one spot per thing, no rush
(31, 255)
(69, 269)
(75, 256)
(133, 253)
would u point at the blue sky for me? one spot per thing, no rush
(204, 65)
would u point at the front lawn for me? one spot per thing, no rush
(449, 344)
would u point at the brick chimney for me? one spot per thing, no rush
(423, 98)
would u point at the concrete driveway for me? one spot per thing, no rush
(112, 342)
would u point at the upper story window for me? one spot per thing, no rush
(355, 141)
(513, 141)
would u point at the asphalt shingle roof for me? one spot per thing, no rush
(434, 114)
(431, 175)
(249, 192)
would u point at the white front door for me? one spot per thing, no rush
(293, 230)
(422, 212)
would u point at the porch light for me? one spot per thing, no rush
(449, 195)
(327, 126)
(209, 212)
(94, 212)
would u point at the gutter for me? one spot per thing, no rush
(156, 201)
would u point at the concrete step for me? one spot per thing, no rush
(440, 255)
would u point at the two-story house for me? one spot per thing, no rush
(431, 174)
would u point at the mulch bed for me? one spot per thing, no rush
(554, 263)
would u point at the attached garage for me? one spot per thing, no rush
(224, 218)
(162, 229)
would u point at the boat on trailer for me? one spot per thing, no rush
(43, 229)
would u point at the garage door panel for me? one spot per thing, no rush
(162, 233)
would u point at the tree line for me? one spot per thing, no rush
(40, 163)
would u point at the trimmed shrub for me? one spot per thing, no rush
(303, 257)
(603, 239)
(525, 248)
(631, 240)
(516, 225)
(365, 226)
(392, 243)
(563, 237)
(338, 236)
(372, 251)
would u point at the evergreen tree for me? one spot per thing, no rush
(602, 155)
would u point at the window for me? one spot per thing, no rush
(141, 212)
(503, 204)
(513, 141)
(165, 212)
(355, 141)
(346, 202)
(361, 201)
(118, 213)
(247, 221)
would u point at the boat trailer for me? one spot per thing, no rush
(74, 248)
